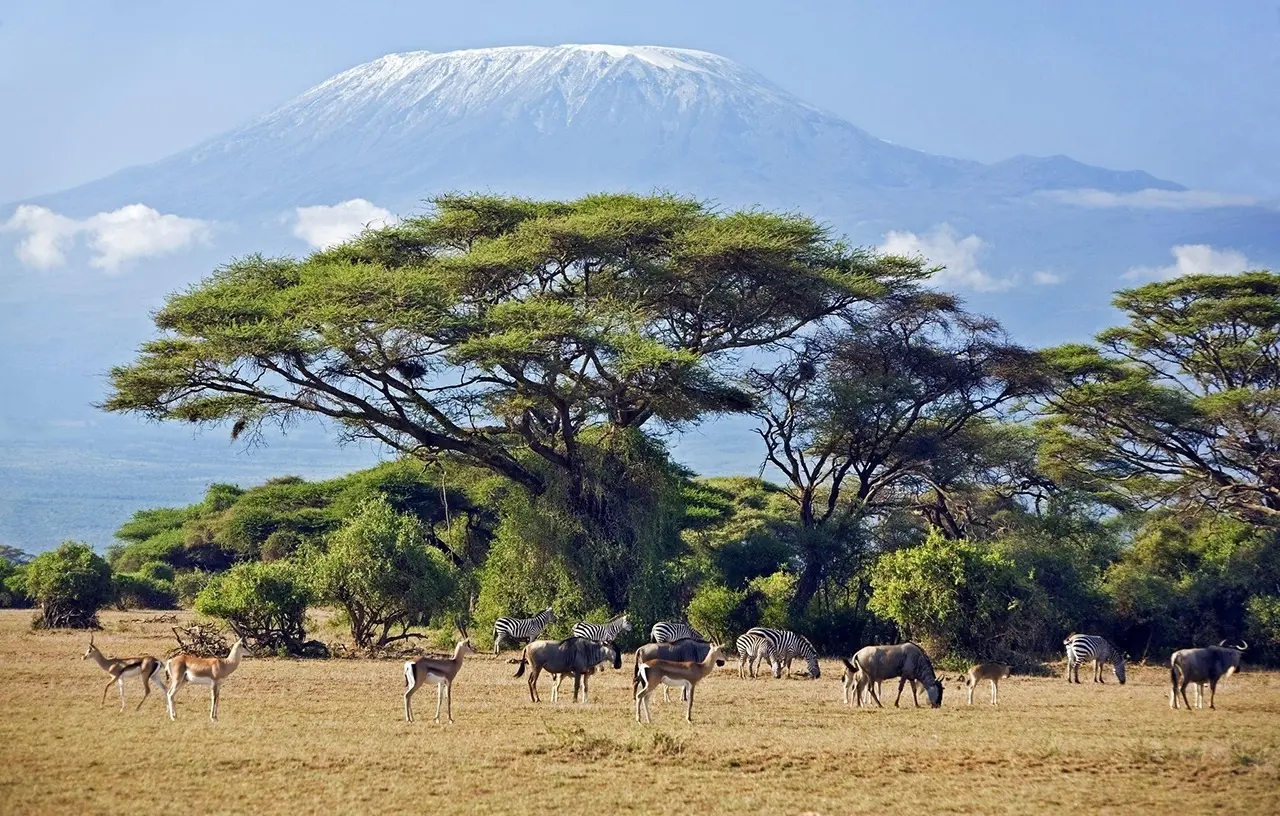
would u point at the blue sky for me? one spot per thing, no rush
(1185, 90)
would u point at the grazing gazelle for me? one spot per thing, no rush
(122, 667)
(203, 671)
(685, 674)
(438, 670)
(994, 672)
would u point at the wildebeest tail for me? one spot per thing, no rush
(524, 661)
(848, 665)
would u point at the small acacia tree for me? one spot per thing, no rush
(380, 570)
(71, 584)
(266, 604)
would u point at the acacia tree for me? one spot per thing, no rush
(1182, 404)
(858, 420)
(494, 327)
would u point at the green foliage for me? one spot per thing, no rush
(188, 585)
(381, 572)
(139, 590)
(531, 321)
(13, 585)
(71, 584)
(1179, 404)
(266, 604)
(956, 596)
(720, 613)
(774, 594)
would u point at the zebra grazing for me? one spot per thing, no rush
(518, 629)
(604, 632)
(1083, 648)
(670, 632)
(783, 645)
(751, 650)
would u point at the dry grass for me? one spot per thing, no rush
(329, 736)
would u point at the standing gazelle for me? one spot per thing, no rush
(653, 673)
(145, 667)
(203, 671)
(993, 672)
(438, 670)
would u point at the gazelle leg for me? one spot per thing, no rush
(970, 695)
(688, 712)
(448, 693)
(105, 689)
(439, 698)
(146, 692)
(120, 685)
(213, 702)
(995, 693)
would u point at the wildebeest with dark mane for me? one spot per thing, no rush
(1204, 665)
(575, 655)
(873, 664)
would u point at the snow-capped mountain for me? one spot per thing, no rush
(556, 120)
(1038, 242)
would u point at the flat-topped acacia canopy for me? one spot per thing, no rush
(495, 326)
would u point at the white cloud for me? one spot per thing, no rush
(323, 227)
(116, 237)
(1194, 259)
(1044, 277)
(945, 247)
(1152, 199)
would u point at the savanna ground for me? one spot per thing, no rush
(320, 736)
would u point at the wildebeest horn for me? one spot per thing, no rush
(1244, 644)
(1222, 643)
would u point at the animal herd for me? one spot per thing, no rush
(680, 657)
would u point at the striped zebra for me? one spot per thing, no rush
(1083, 648)
(669, 632)
(783, 645)
(604, 632)
(518, 629)
(751, 650)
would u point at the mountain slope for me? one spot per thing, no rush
(550, 121)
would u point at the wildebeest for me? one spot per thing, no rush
(873, 664)
(1204, 665)
(685, 650)
(575, 655)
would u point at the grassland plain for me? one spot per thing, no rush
(329, 736)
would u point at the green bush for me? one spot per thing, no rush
(720, 613)
(137, 590)
(379, 569)
(70, 584)
(13, 585)
(188, 584)
(157, 571)
(266, 604)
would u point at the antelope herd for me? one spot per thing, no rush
(681, 658)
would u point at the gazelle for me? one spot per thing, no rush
(204, 671)
(438, 670)
(122, 667)
(685, 675)
(994, 672)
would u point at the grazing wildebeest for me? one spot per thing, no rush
(993, 672)
(685, 674)
(576, 656)
(1203, 665)
(873, 664)
(684, 650)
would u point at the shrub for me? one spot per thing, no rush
(71, 584)
(266, 604)
(157, 571)
(13, 585)
(379, 569)
(187, 585)
(136, 590)
(719, 612)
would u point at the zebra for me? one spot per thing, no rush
(526, 629)
(669, 632)
(1083, 648)
(751, 650)
(604, 632)
(783, 645)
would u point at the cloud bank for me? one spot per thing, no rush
(1194, 259)
(323, 227)
(115, 238)
(1152, 199)
(945, 247)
